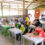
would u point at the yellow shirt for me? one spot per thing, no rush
(23, 29)
(27, 19)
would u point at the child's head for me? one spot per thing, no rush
(22, 24)
(36, 24)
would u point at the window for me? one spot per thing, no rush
(13, 12)
(13, 5)
(20, 12)
(32, 13)
(20, 6)
(5, 12)
(0, 13)
(11, 9)
(0, 10)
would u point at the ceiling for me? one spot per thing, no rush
(22, 0)
(36, 3)
(32, 5)
(31, 0)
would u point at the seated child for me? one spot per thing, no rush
(38, 22)
(12, 23)
(23, 30)
(4, 21)
(39, 31)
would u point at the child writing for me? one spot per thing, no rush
(23, 30)
(39, 31)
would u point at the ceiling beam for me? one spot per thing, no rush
(39, 2)
(35, 2)
(29, 4)
(2, 8)
(23, 6)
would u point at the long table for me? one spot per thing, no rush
(32, 40)
(15, 31)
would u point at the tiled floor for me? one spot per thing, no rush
(4, 41)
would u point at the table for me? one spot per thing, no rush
(32, 40)
(15, 31)
(4, 29)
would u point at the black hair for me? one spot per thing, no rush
(16, 20)
(37, 21)
(37, 24)
(22, 23)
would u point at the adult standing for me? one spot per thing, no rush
(27, 22)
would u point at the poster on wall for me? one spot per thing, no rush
(37, 13)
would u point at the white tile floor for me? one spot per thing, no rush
(4, 41)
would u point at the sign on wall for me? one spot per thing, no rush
(37, 13)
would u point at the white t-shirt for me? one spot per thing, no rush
(12, 24)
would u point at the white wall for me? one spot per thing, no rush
(32, 13)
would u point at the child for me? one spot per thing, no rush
(23, 30)
(12, 23)
(39, 31)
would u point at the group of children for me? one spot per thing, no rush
(13, 22)
(39, 32)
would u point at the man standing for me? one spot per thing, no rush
(27, 22)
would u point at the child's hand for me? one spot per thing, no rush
(32, 36)
(28, 33)
(35, 36)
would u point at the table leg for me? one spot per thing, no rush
(35, 44)
(15, 39)
(42, 43)
(21, 38)
(29, 42)
(9, 35)
(23, 41)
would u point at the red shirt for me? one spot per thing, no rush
(40, 32)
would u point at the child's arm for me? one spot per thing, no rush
(31, 33)
(23, 29)
(36, 36)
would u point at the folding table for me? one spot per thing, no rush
(32, 40)
(15, 31)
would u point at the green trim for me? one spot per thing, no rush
(42, 6)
